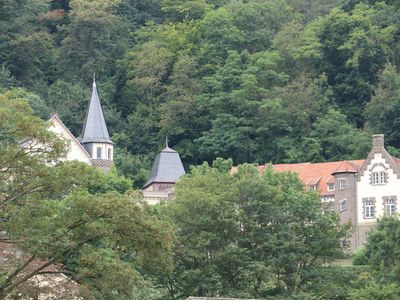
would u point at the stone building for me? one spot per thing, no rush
(167, 169)
(360, 191)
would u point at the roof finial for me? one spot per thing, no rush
(166, 141)
(94, 79)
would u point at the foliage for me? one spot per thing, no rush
(71, 215)
(381, 247)
(249, 80)
(256, 81)
(375, 292)
(252, 235)
(359, 257)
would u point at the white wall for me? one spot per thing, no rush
(75, 151)
(104, 151)
(367, 190)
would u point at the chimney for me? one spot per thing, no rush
(378, 141)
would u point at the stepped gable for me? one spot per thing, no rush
(94, 128)
(379, 148)
(167, 167)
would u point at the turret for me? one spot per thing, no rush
(167, 169)
(95, 136)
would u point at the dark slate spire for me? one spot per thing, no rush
(167, 167)
(95, 129)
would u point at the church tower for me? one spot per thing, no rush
(95, 138)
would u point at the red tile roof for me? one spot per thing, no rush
(315, 173)
(346, 167)
(308, 172)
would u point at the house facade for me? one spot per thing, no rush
(360, 191)
(95, 147)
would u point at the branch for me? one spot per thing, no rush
(54, 272)
(36, 189)
(10, 278)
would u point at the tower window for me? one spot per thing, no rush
(342, 184)
(109, 154)
(98, 152)
(342, 205)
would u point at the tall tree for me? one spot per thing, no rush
(248, 235)
(95, 38)
(64, 213)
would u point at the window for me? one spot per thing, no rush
(98, 152)
(312, 188)
(389, 204)
(379, 177)
(369, 208)
(342, 205)
(330, 187)
(342, 184)
(109, 154)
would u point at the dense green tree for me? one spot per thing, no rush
(248, 235)
(381, 248)
(340, 140)
(6, 79)
(69, 101)
(178, 10)
(259, 21)
(354, 48)
(381, 110)
(215, 36)
(375, 291)
(70, 213)
(136, 13)
(95, 38)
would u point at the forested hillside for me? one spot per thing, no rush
(256, 81)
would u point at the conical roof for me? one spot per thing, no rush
(345, 167)
(95, 129)
(167, 167)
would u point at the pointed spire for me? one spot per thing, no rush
(166, 141)
(95, 129)
(94, 79)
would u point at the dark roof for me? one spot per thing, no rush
(167, 167)
(95, 129)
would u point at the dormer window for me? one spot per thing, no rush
(330, 187)
(312, 188)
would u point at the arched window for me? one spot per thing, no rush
(378, 175)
